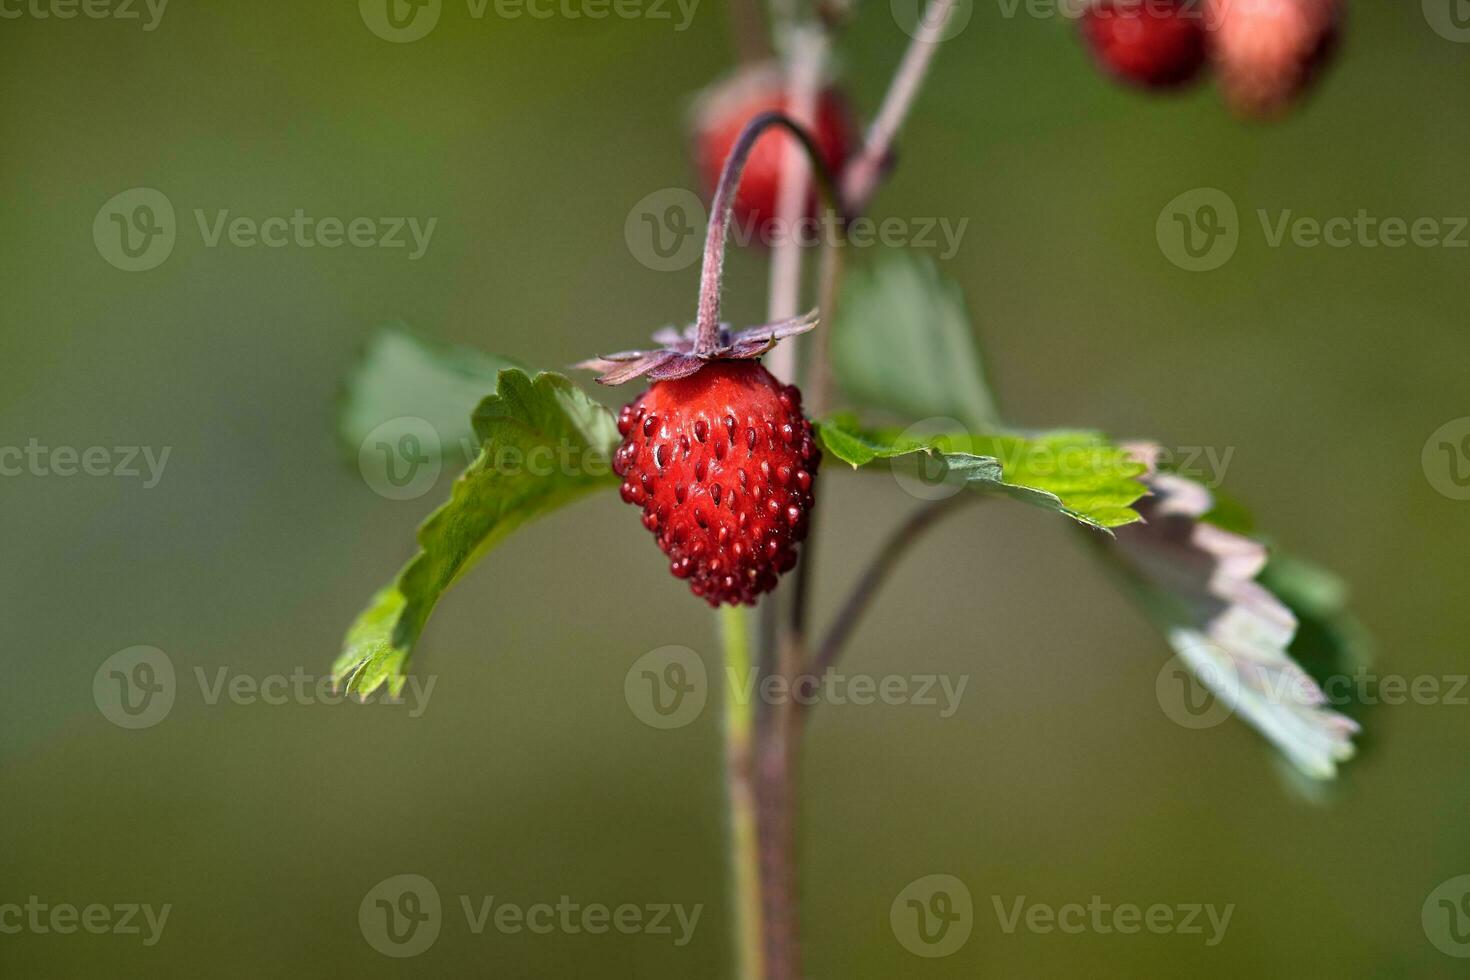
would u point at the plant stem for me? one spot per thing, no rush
(819, 371)
(900, 541)
(740, 789)
(772, 741)
(860, 178)
(707, 337)
(776, 781)
(806, 52)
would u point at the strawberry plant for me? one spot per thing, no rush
(721, 452)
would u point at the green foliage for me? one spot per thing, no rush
(902, 344)
(543, 444)
(401, 375)
(1267, 658)
(1079, 474)
(1329, 641)
(1331, 645)
(1231, 515)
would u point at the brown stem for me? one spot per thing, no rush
(806, 54)
(860, 178)
(776, 780)
(707, 337)
(778, 726)
(776, 787)
(741, 799)
(819, 371)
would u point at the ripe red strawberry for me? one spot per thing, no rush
(1153, 43)
(723, 112)
(722, 463)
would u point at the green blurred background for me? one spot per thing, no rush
(527, 777)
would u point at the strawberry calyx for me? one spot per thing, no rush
(678, 354)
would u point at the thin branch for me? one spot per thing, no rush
(769, 638)
(818, 382)
(777, 729)
(776, 791)
(721, 207)
(894, 548)
(806, 55)
(740, 789)
(860, 179)
(818, 379)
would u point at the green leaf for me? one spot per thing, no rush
(1239, 626)
(1231, 515)
(403, 376)
(1079, 474)
(1330, 642)
(544, 443)
(902, 343)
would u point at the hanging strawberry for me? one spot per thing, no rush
(719, 458)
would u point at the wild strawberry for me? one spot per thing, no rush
(1151, 43)
(1268, 51)
(719, 457)
(723, 112)
(722, 464)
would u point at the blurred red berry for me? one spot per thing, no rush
(723, 112)
(722, 464)
(1151, 43)
(1268, 51)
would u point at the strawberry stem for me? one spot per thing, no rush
(707, 321)
(778, 728)
(860, 177)
(740, 787)
(806, 54)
